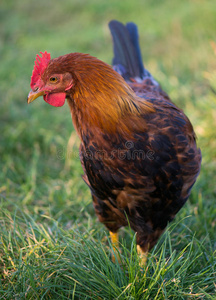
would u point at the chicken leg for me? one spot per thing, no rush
(143, 256)
(115, 244)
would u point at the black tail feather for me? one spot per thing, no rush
(134, 36)
(124, 53)
(127, 59)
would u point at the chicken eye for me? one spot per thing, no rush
(53, 79)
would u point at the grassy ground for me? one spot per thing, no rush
(51, 244)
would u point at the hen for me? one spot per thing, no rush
(138, 150)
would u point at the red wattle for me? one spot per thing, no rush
(55, 99)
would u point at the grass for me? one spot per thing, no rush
(51, 244)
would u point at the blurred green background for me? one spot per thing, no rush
(40, 168)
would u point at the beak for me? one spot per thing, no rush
(34, 95)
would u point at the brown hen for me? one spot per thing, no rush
(138, 150)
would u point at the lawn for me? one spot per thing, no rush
(51, 243)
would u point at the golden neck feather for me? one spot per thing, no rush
(101, 98)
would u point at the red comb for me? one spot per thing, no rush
(40, 65)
